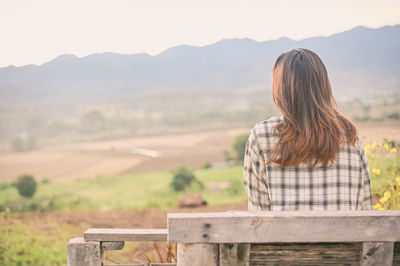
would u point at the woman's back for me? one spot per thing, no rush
(344, 185)
(310, 158)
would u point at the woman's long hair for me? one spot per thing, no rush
(312, 128)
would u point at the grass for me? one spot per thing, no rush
(36, 242)
(107, 193)
(21, 243)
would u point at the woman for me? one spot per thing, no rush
(310, 158)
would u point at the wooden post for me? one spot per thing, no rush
(234, 254)
(198, 254)
(82, 253)
(377, 253)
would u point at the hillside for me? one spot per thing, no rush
(359, 60)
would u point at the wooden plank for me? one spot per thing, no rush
(143, 235)
(375, 253)
(305, 254)
(284, 227)
(143, 264)
(396, 253)
(234, 254)
(115, 245)
(82, 253)
(198, 255)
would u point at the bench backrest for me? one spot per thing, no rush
(271, 238)
(260, 238)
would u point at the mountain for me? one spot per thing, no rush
(360, 62)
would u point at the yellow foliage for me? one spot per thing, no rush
(386, 146)
(383, 200)
(393, 150)
(378, 207)
(374, 145)
(376, 171)
(367, 149)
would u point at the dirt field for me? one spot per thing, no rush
(149, 218)
(114, 157)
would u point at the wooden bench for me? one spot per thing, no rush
(260, 238)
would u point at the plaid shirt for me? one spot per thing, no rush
(345, 185)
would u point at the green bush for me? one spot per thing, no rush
(26, 185)
(207, 165)
(239, 147)
(183, 178)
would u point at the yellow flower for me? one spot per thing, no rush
(398, 181)
(387, 194)
(386, 146)
(374, 145)
(378, 207)
(367, 151)
(393, 150)
(373, 156)
(383, 200)
(376, 171)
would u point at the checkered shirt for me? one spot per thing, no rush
(345, 185)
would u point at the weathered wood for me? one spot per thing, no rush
(106, 234)
(396, 253)
(305, 254)
(117, 245)
(82, 253)
(377, 253)
(284, 227)
(197, 254)
(234, 254)
(143, 264)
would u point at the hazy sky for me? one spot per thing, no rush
(36, 31)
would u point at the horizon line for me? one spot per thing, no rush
(198, 46)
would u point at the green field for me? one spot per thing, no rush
(139, 191)
(27, 243)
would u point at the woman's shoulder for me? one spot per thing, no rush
(265, 127)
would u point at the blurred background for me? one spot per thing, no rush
(113, 113)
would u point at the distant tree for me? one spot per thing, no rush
(207, 165)
(239, 147)
(394, 115)
(183, 178)
(26, 186)
(93, 121)
(23, 142)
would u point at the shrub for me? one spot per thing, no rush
(26, 185)
(4, 185)
(207, 165)
(24, 142)
(239, 147)
(183, 178)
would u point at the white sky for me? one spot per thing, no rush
(36, 31)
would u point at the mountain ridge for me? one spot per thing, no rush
(360, 59)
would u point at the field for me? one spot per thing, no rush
(128, 201)
(65, 162)
(135, 190)
(115, 157)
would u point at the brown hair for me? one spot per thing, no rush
(312, 128)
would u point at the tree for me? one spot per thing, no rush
(26, 185)
(183, 178)
(239, 146)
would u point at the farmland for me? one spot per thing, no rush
(101, 184)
